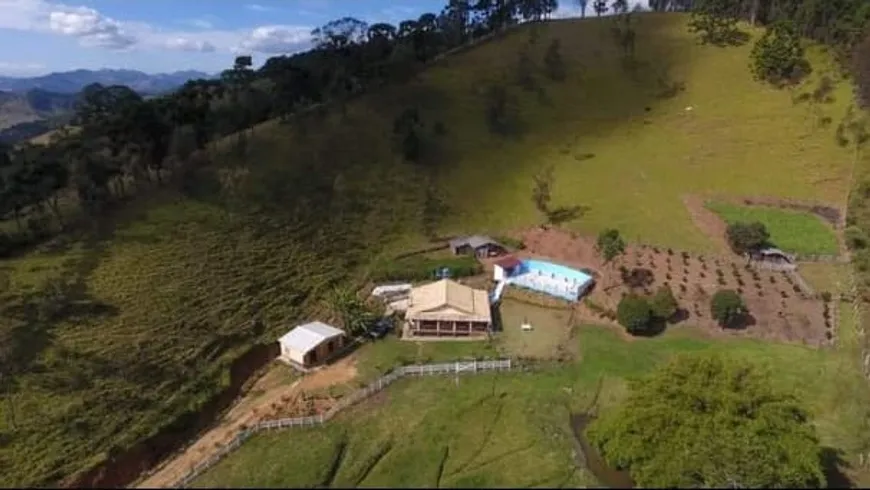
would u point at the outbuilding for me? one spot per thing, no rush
(311, 344)
(477, 245)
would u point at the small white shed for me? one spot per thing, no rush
(311, 344)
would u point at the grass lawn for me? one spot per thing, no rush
(512, 429)
(550, 335)
(791, 231)
(590, 117)
(833, 278)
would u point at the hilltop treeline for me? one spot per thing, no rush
(124, 142)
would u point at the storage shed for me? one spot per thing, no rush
(311, 344)
(477, 245)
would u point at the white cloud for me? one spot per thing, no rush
(276, 39)
(256, 7)
(90, 27)
(93, 29)
(187, 44)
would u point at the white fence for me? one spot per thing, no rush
(462, 367)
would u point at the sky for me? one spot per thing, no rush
(160, 36)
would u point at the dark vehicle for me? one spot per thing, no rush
(381, 328)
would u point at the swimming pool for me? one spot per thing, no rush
(545, 277)
(549, 268)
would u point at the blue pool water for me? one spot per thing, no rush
(545, 277)
(547, 268)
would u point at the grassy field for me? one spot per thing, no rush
(791, 231)
(134, 324)
(833, 278)
(551, 331)
(512, 429)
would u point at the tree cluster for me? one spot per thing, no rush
(778, 57)
(704, 421)
(646, 315)
(745, 238)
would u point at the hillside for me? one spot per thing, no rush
(158, 302)
(33, 106)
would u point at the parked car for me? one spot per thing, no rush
(381, 328)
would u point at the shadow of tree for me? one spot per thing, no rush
(637, 277)
(744, 322)
(564, 214)
(834, 465)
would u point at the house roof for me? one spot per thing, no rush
(473, 241)
(508, 262)
(305, 338)
(472, 304)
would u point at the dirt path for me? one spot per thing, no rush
(272, 389)
(707, 221)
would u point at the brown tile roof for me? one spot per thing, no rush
(462, 303)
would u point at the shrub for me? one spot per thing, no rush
(778, 56)
(746, 237)
(663, 304)
(856, 239)
(826, 297)
(728, 308)
(635, 314)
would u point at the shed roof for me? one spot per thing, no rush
(775, 251)
(508, 262)
(473, 241)
(305, 338)
(472, 303)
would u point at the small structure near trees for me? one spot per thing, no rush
(308, 345)
(478, 245)
(772, 256)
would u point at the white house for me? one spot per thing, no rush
(311, 344)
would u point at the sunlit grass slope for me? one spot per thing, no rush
(512, 429)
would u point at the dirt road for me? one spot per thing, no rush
(271, 389)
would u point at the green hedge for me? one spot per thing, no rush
(423, 268)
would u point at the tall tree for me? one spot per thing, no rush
(600, 7)
(610, 245)
(582, 4)
(704, 421)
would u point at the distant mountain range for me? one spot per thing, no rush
(33, 106)
(71, 82)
